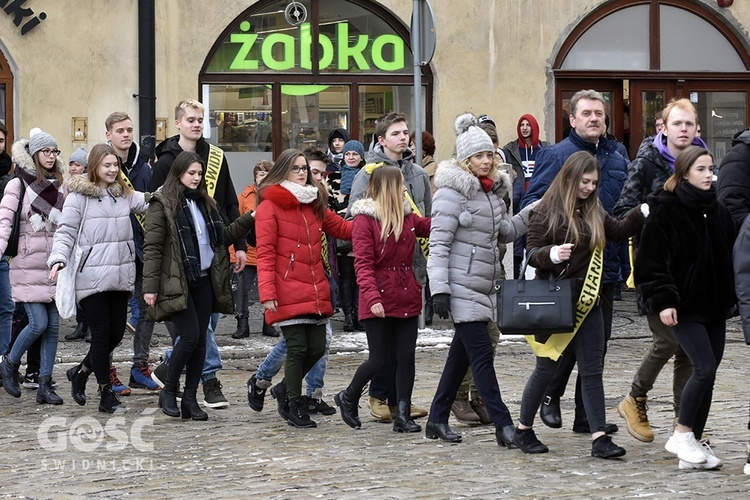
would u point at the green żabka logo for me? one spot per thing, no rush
(339, 51)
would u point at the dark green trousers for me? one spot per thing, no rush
(305, 345)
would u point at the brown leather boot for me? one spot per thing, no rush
(477, 404)
(463, 411)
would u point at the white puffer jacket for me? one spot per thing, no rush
(108, 259)
(467, 225)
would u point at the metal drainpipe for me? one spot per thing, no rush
(147, 76)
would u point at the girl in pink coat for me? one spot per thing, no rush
(39, 189)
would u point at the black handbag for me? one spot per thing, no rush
(536, 307)
(11, 250)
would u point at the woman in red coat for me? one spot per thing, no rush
(390, 298)
(290, 222)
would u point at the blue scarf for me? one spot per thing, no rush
(347, 177)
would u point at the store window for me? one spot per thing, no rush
(6, 98)
(269, 85)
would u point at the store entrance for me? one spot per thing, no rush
(6, 97)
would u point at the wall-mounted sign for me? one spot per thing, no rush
(281, 51)
(20, 14)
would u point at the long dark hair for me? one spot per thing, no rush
(173, 189)
(280, 171)
(682, 165)
(563, 208)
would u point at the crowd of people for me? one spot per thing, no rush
(386, 237)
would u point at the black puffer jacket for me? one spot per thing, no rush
(647, 173)
(733, 185)
(742, 276)
(685, 259)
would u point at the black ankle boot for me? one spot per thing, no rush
(298, 416)
(78, 378)
(190, 407)
(168, 402)
(45, 393)
(348, 402)
(109, 402)
(504, 436)
(603, 447)
(10, 377)
(403, 421)
(550, 412)
(268, 330)
(79, 333)
(434, 430)
(527, 441)
(278, 392)
(243, 329)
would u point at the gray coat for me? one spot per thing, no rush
(108, 258)
(467, 225)
(417, 183)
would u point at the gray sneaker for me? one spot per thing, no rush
(213, 397)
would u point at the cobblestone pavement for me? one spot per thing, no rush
(73, 451)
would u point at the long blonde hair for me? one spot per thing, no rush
(387, 189)
(563, 208)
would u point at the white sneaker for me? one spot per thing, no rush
(684, 445)
(746, 470)
(712, 461)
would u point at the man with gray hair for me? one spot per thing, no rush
(588, 133)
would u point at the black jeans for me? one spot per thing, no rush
(471, 346)
(588, 346)
(565, 364)
(383, 336)
(704, 345)
(191, 325)
(106, 313)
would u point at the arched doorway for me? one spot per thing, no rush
(271, 84)
(642, 53)
(6, 97)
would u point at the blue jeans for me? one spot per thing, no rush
(44, 322)
(213, 358)
(6, 307)
(314, 378)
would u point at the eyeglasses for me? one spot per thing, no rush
(297, 169)
(50, 152)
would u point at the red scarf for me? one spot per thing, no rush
(486, 183)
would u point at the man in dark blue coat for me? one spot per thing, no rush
(588, 133)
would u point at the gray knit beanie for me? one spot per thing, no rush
(39, 140)
(471, 139)
(80, 155)
(355, 146)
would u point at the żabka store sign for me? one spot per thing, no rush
(344, 52)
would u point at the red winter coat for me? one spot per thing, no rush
(384, 269)
(290, 268)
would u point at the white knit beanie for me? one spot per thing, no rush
(471, 139)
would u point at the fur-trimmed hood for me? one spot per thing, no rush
(449, 174)
(288, 194)
(81, 184)
(366, 206)
(23, 159)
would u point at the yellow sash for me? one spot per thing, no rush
(630, 282)
(556, 344)
(424, 243)
(141, 218)
(215, 159)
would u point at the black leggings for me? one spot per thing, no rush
(383, 336)
(588, 346)
(191, 325)
(704, 345)
(106, 313)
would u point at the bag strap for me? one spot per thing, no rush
(522, 276)
(83, 218)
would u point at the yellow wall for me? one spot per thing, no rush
(493, 56)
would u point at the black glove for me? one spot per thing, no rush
(441, 304)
